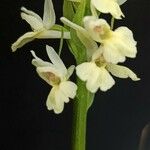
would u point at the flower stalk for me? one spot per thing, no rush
(80, 109)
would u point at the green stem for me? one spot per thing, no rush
(80, 109)
(112, 23)
(61, 42)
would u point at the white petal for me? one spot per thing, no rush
(108, 6)
(93, 11)
(49, 14)
(52, 34)
(68, 88)
(120, 2)
(93, 81)
(54, 101)
(51, 99)
(31, 13)
(106, 81)
(89, 72)
(33, 21)
(122, 72)
(26, 38)
(38, 62)
(70, 71)
(125, 42)
(111, 53)
(71, 24)
(55, 59)
(97, 54)
(76, 27)
(85, 70)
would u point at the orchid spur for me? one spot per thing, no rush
(42, 29)
(57, 76)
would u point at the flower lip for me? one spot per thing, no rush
(52, 78)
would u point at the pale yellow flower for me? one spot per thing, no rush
(96, 73)
(109, 6)
(42, 28)
(57, 76)
(116, 45)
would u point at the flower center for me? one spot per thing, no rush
(52, 78)
(103, 31)
(100, 61)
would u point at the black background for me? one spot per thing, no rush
(116, 118)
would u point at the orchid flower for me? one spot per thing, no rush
(96, 73)
(57, 76)
(116, 45)
(109, 6)
(42, 29)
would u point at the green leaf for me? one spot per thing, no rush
(68, 10)
(78, 49)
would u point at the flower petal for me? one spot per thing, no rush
(85, 70)
(26, 38)
(111, 53)
(70, 71)
(89, 72)
(49, 17)
(95, 76)
(125, 42)
(122, 72)
(68, 88)
(31, 13)
(55, 59)
(108, 6)
(54, 101)
(52, 34)
(93, 81)
(38, 62)
(106, 81)
(34, 22)
(120, 2)
(51, 99)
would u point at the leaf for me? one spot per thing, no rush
(68, 10)
(78, 48)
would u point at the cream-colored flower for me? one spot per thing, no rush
(42, 28)
(116, 44)
(109, 6)
(96, 73)
(56, 75)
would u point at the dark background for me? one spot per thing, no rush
(116, 118)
